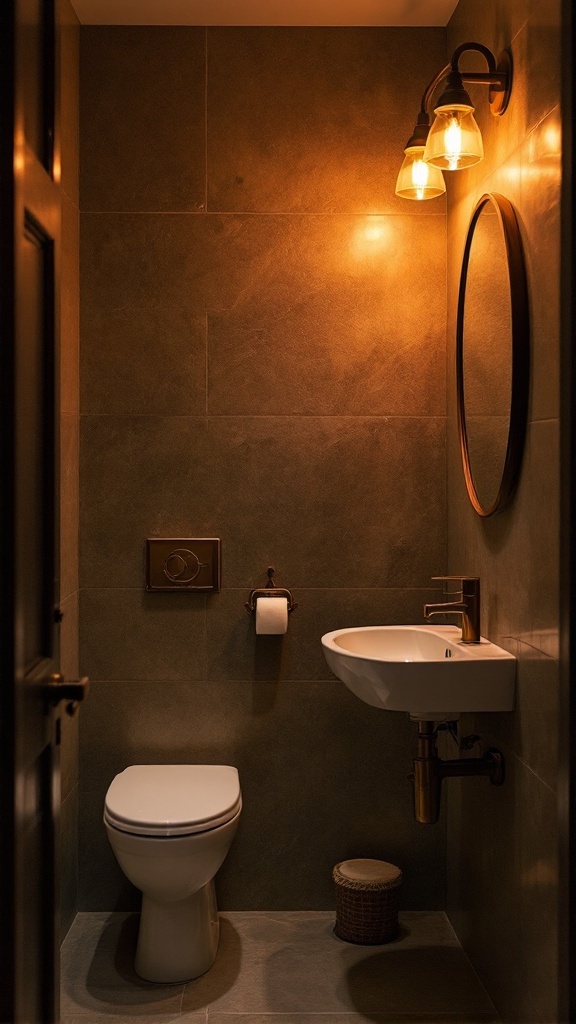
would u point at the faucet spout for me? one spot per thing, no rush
(467, 605)
(442, 607)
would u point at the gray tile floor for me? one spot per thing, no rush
(277, 968)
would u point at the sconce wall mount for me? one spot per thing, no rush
(454, 141)
(498, 78)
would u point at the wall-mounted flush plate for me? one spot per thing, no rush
(183, 564)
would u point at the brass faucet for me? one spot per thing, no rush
(467, 605)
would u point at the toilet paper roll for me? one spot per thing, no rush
(271, 615)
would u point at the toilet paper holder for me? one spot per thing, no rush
(269, 590)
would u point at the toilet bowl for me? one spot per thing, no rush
(170, 827)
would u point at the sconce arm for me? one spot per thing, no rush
(499, 78)
(453, 66)
(478, 48)
(428, 92)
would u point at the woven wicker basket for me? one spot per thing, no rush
(367, 894)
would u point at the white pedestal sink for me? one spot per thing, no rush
(424, 670)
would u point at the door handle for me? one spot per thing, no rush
(56, 689)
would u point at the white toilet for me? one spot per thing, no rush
(171, 826)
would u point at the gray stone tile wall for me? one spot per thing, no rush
(263, 345)
(502, 849)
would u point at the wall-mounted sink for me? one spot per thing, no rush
(424, 670)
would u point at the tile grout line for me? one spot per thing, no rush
(202, 416)
(422, 589)
(363, 214)
(206, 119)
(206, 361)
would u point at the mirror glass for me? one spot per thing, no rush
(492, 354)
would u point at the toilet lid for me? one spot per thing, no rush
(172, 799)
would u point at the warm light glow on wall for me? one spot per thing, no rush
(544, 153)
(546, 142)
(371, 238)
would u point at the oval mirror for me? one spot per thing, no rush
(492, 343)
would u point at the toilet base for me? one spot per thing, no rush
(178, 941)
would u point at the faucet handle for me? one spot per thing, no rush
(469, 585)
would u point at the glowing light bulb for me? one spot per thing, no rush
(417, 179)
(420, 176)
(453, 143)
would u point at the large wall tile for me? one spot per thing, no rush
(236, 652)
(143, 123)
(357, 501)
(148, 261)
(518, 904)
(499, 21)
(543, 64)
(166, 636)
(502, 860)
(540, 160)
(306, 315)
(314, 120)
(531, 730)
(333, 320)
(346, 762)
(144, 360)
(516, 552)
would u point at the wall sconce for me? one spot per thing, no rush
(417, 179)
(454, 141)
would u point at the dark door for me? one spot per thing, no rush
(29, 685)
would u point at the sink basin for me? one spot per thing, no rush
(424, 670)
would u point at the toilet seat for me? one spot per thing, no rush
(172, 799)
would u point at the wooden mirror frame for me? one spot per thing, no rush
(520, 331)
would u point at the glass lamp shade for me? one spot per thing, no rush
(416, 179)
(455, 140)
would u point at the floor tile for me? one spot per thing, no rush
(98, 976)
(278, 968)
(112, 1012)
(344, 1018)
(292, 963)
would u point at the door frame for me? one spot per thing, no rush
(30, 205)
(567, 704)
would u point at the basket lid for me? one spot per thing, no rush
(370, 871)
